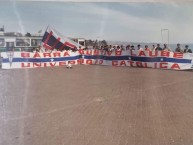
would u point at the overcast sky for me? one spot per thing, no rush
(134, 22)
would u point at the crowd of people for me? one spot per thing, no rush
(128, 47)
(146, 48)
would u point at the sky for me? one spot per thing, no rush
(116, 21)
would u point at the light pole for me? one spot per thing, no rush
(96, 42)
(162, 34)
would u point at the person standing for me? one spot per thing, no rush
(132, 47)
(178, 49)
(166, 48)
(153, 47)
(158, 48)
(187, 50)
(128, 47)
(139, 47)
(147, 48)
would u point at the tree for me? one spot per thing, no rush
(103, 42)
(28, 34)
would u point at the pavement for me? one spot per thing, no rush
(96, 105)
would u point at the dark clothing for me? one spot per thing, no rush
(105, 49)
(132, 48)
(158, 49)
(187, 51)
(178, 49)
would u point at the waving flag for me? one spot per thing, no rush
(53, 39)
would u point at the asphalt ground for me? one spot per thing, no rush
(96, 105)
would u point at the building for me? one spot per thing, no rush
(24, 43)
(18, 41)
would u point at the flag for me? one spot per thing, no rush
(53, 39)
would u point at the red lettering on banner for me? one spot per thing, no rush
(178, 55)
(36, 55)
(96, 52)
(118, 53)
(66, 53)
(109, 53)
(123, 63)
(25, 64)
(142, 53)
(145, 65)
(95, 61)
(153, 55)
(139, 64)
(79, 61)
(56, 54)
(131, 63)
(165, 53)
(45, 65)
(133, 54)
(175, 66)
(47, 54)
(37, 64)
(52, 64)
(24, 54)
(163, 65)
(62, 63)
(88, 61)
(88, 52)
(114, 63)
(81, 51)
(100, 61)
(82, 61)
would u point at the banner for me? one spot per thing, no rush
(134, 58)
(33, 60)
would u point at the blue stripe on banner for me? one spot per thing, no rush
(93, 56)
(42, 59)
(126, 57)
(142, 59)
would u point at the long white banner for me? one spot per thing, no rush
(13, 60)
(146, 59)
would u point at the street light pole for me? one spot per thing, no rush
(162, 34)
(168, 37)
